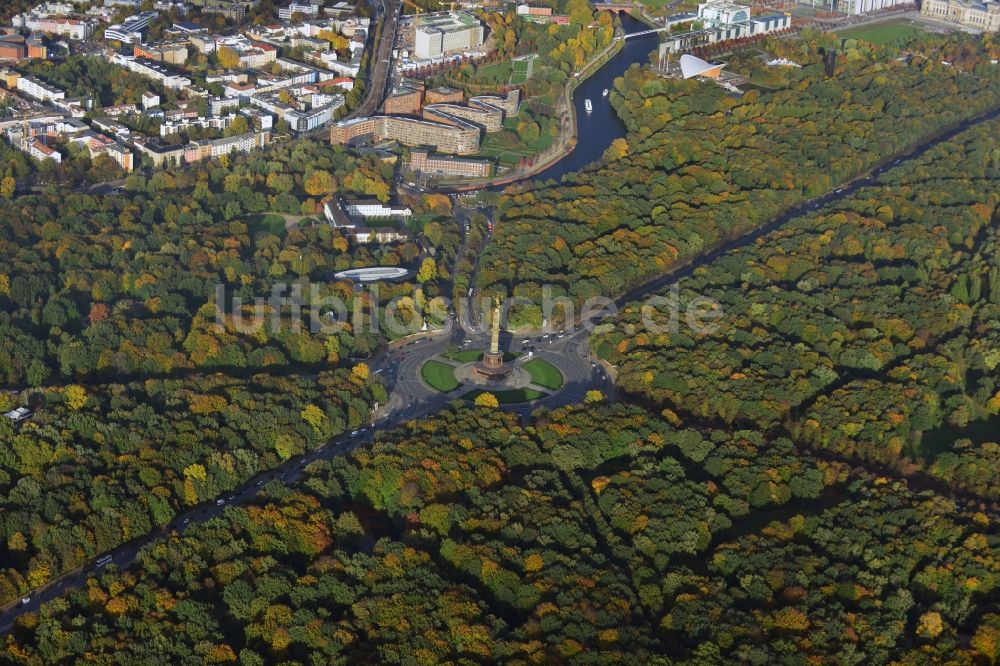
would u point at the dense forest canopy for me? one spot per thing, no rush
(699, 167)
(783, 490)
(855, 329)
(594, 535)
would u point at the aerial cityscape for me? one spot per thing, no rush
(431, 332)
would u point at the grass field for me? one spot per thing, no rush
(544, 373)
(267, 223)
(506, 397)
(518, 72)
(496, 72)
(888, 32)
(439, 376)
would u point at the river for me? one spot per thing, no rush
(596, 130)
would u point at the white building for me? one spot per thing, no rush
(152, 70)
(41, 152)
(349, 69)
(70, 28)
(446, 32)
(854, 7)
(150, 99)
(303, 8)
(724, 21)
(374, 209)
(19, 414)
(131, 30)
(39, 90)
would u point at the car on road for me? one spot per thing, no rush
(220, 502)
(25, 601)
(354, 433)
(185, 521)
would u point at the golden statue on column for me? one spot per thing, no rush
(492, 365)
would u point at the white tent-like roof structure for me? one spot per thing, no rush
(693, 66)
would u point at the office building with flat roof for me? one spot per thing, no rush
(490, 119)
(403, 100)
(131, 30)
(443, 33)
(442, 165)
(854, 7)
(444, 95)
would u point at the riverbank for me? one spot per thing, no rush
(568, 137)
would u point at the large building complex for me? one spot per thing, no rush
(723, 21)
(486, 111)
(446, 32)
(983, 16)
(490, 119)
(132, 29)
(461, 138)
(854, 7)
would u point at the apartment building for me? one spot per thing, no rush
(510, 103)
(213, 148)
(302, 8)
(152, 70)
(462, 138)
(234, 10)
(41, 152)
(39, 90)
(440, 165)
(150, 100)
(220, 123)
(251, 54)
(330, 61)
(158, 153)
(124, 157)
(70, 28)
(489, 119)
(172, 53)
(444, 95)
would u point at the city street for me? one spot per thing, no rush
(381, 63)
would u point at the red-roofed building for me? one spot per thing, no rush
(40, 151)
